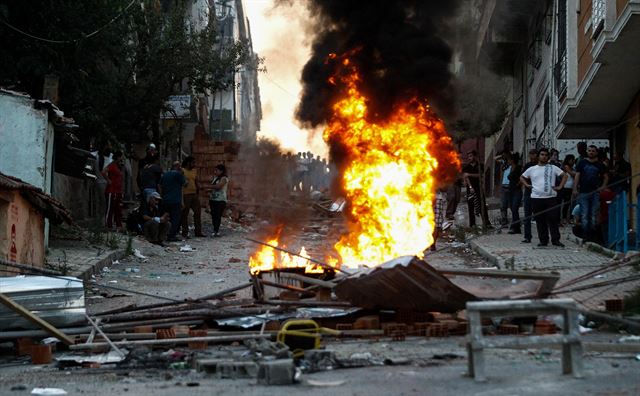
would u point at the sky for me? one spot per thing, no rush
(278, 36)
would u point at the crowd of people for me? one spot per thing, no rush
(554, 193)
(167, 198)
(306, 173)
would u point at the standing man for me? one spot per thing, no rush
(150, 157)
(620, 179)
(526, 200)
(114, 176)
(472, 172)
(544, 200)
(591, 175)
(171, 189)
(190, 196)
(581, 148)
(150, 177)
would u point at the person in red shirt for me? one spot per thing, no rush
(114, 191)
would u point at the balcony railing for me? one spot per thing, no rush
(560, 74)
(598, 13)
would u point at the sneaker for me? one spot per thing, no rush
(542, 244)
(526, 240)
(558, 244)
(216, 235)
(200, 236)
(446, 225)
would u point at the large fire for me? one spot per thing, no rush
(390, 176)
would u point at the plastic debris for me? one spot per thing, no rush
(187, 248)
(139, 255)
(48, 391)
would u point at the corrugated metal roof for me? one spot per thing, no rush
(404, 283)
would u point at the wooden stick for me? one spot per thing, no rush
(320, 263)
(198, 301)
(165, 322)
(339, 304)
(93, 331)
(200, 313)
(25, 313)
(170, 341)
(308, 279)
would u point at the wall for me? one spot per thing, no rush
(620, 5)
(26, 244)
(27, 141)
(584, 39)
(208, 154)
(77, 195)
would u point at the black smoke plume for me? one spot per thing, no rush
(398, 47)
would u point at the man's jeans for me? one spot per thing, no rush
(589, 207)
(175, 213)
(527, 213)
(505, 204)
(516, 199)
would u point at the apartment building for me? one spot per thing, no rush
(573, 68)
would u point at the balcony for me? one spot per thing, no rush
(611, 82)
(502, 31)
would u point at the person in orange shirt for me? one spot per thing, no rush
(114, 176)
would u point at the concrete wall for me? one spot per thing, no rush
(21, 231)
(26, 151)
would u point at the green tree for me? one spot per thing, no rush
(117, 60)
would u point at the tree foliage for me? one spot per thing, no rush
(115, 82)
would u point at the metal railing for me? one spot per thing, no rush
(618, 223)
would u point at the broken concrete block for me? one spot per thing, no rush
(320, 359)
(276, 372)
(227, 368)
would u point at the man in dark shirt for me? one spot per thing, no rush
(150, 177)
(526, 200)
(152, 154)
(471, 173)
(591, 175)
(171, 188)
(156, 221)
(620, 174)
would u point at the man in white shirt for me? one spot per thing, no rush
(541, 179)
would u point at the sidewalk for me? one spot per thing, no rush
(574, 260)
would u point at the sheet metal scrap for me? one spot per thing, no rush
(57, 301)
(403, 283)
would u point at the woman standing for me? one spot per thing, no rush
(218, 197)
(565, 193)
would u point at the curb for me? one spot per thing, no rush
(100, 262)
(594, 247)
(487, 255)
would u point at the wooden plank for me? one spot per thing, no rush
(25, 313)
(498, 307)
(169, 341)
(491, 273)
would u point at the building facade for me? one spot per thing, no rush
(571, 65)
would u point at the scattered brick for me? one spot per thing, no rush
(505, 329)
(371, 322)
(614, 305)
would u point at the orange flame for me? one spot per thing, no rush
(268, 259)
(390, 178)
(392, 171)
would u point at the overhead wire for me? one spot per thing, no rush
(86, 36)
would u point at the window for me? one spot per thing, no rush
(560, 68)
(598, 13)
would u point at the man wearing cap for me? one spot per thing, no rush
(156, 221)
